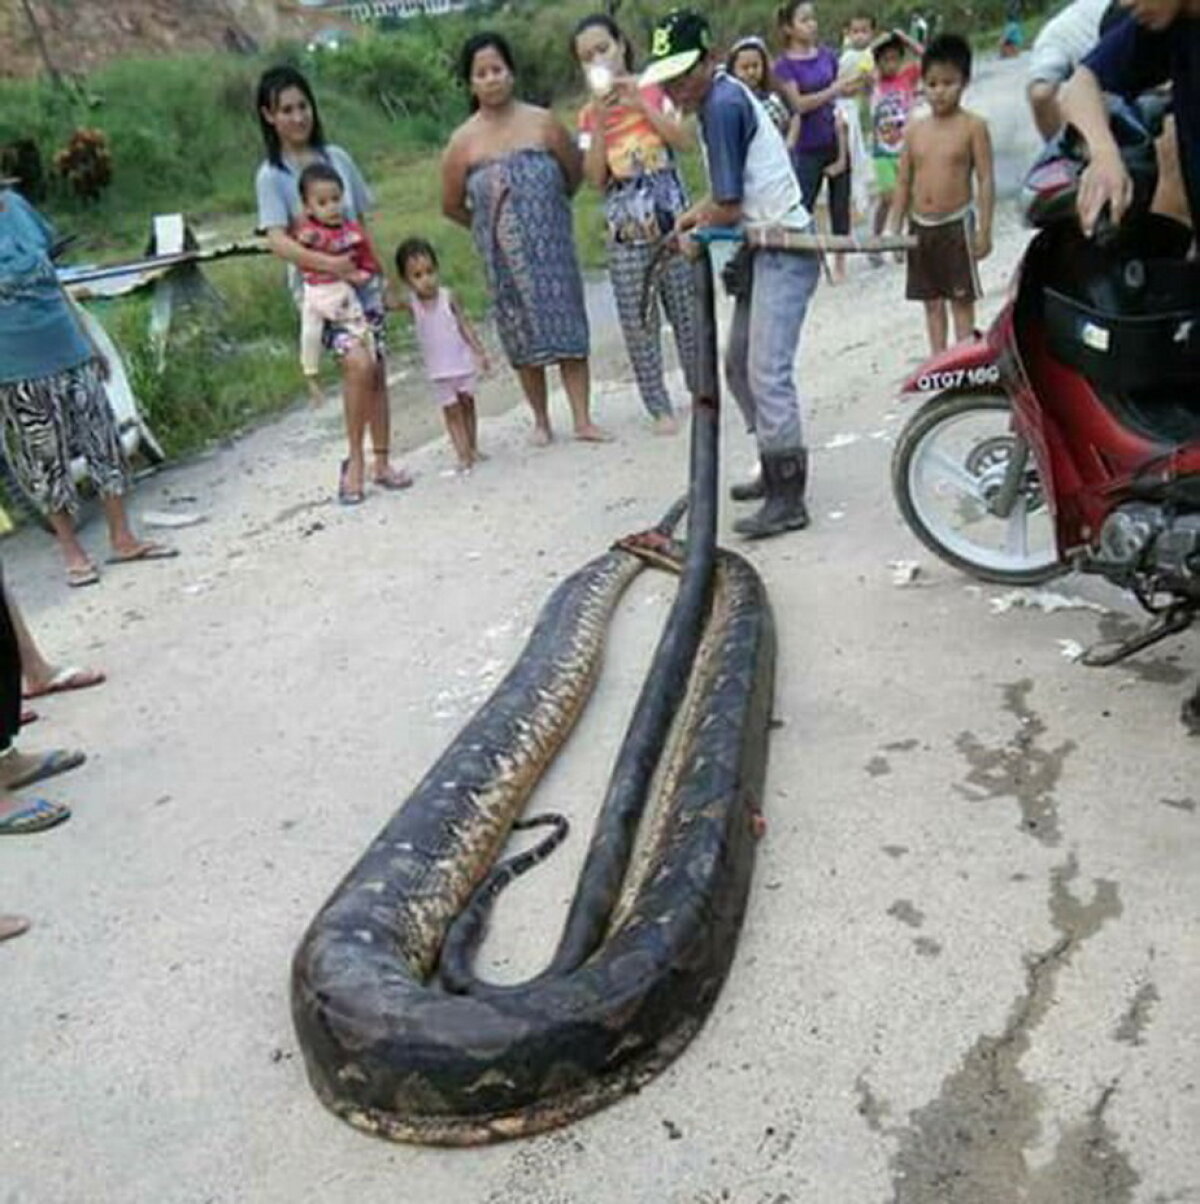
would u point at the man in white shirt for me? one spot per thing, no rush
(1058, 49)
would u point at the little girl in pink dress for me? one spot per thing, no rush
(450, 348)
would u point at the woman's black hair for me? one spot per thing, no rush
(316, 173)
(413, 248)
(487, 40)
(758, 47)
(610, 27)
(273, 84)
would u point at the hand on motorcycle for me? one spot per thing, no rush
(1105, 182)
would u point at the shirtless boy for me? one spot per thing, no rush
(944, 154)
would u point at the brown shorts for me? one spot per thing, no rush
(942, 266)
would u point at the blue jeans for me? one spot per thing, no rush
(760, 357)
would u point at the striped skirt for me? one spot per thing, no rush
(50, 420)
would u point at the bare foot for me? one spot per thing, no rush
(665, 424)
(591, 433)
(479, 457)
(541, 437)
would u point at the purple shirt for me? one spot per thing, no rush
(817, 129)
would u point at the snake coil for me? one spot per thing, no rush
(398, 1035)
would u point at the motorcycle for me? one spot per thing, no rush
(1068, 436)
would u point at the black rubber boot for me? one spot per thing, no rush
(785, 475)
(749, 491)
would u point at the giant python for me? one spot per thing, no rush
(399, 1037)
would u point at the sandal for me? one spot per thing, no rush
(83, 574)
(145, 551)
(72, 677)
(348, 497)
(393, 478)
(33, 815)
(48, 765)
(28, 716)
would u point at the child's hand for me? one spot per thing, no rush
(316, 395)
(485, 363)
(983, 244)
(836, 168)
(360, 278)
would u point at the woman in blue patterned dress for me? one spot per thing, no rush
(508, 175)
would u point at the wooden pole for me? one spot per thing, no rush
(43, 50)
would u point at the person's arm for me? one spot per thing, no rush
(468, 333)
(454, 183)
(288, 249)
(793, 131)
(560, 145)
(842, 161)
(1105, 180)
(917, 48)
(595, 158)
(1128, 61)
(902, 196)
(806, 102)
(981, 159)
(275, 222)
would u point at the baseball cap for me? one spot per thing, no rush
(680, 40)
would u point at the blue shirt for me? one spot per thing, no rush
(728, 124)
(1131, 59)
(39, 335)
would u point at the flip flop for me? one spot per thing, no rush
(85, 574)
(56, 761)
(28, 716)
(146, 551)
(348, 497)
(394, 478)
(11, 926)
(71, 678)
(34, 815)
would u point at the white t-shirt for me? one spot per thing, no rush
(1065, 39)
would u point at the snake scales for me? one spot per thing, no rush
(407, 1049)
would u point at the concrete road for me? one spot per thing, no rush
(969, 969)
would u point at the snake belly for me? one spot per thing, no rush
(391, 1052)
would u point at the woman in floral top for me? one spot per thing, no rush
(629, 136)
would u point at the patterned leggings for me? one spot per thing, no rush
(52, 418)
(627, 264)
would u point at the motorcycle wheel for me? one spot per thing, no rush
(949, 461)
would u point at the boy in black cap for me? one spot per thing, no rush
(751, 180)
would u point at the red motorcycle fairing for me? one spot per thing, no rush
(970, 366)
